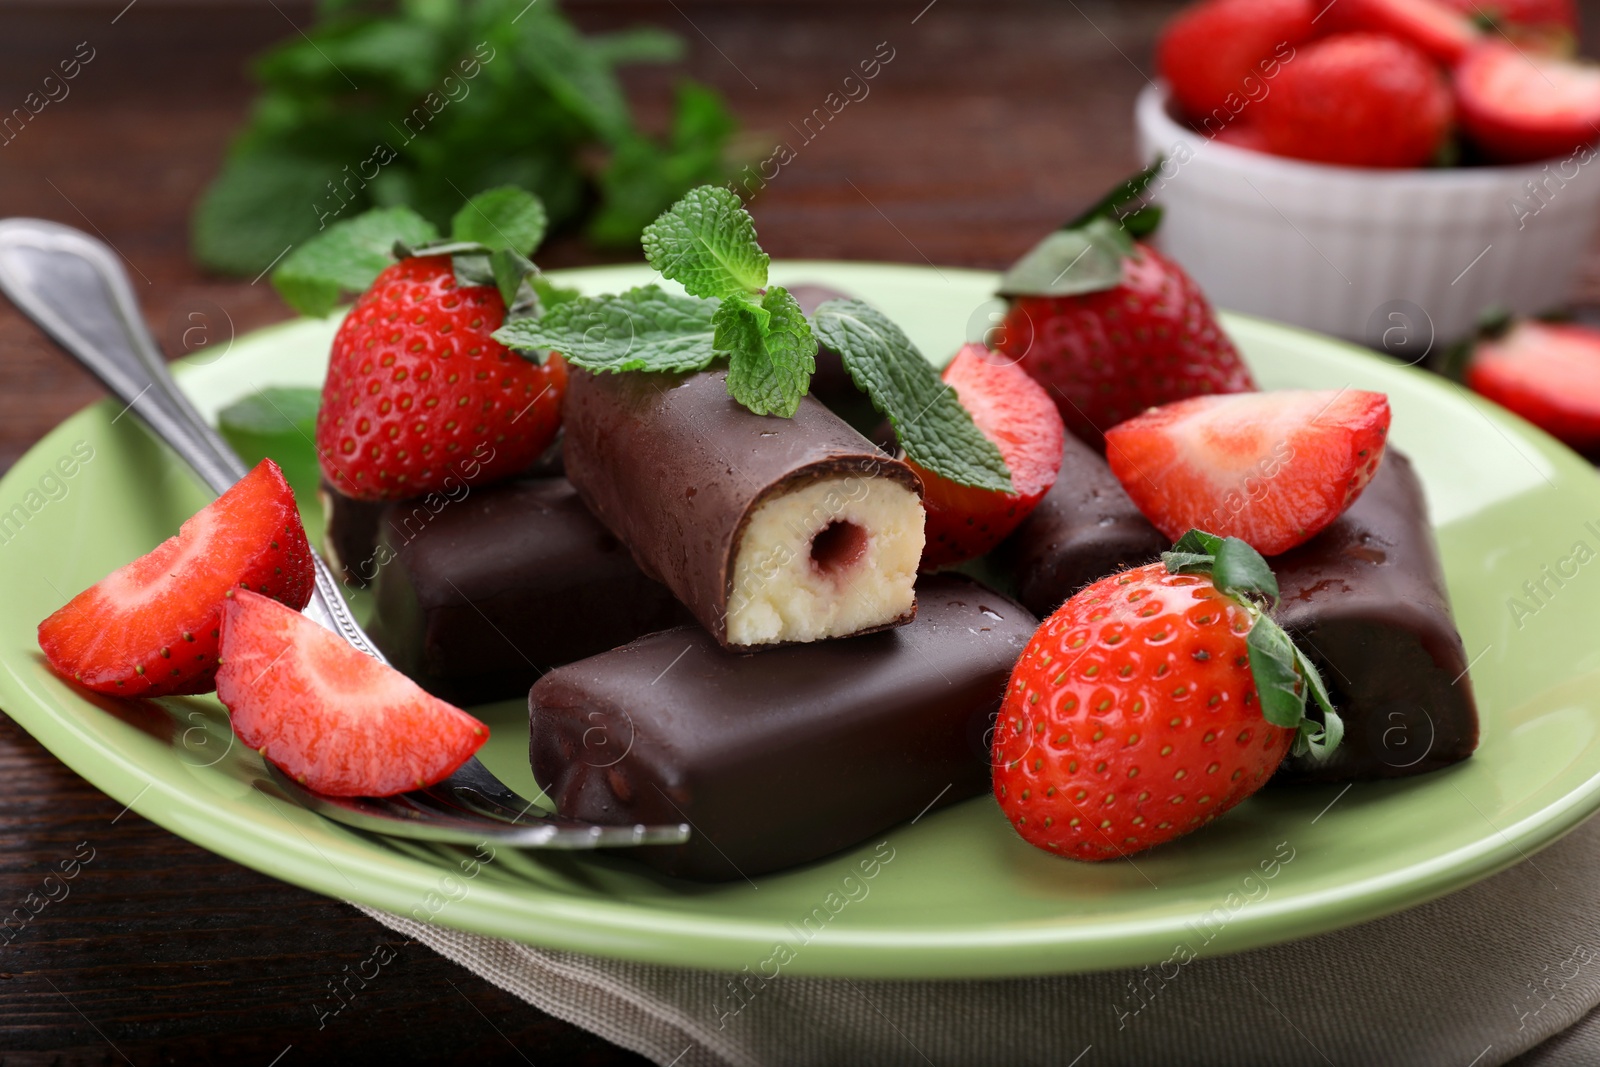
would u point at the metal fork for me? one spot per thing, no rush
(74, 288)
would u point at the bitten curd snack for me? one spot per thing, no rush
(769, 530)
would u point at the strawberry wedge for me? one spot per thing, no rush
(1547, 373)
(337, 721)
(1519, 106)
(1018, 416)
(1272, 469)
(149, 629)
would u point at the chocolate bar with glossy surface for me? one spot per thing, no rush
(475, 599)
(786, 755)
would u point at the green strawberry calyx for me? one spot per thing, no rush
(1285, 678)
(491, 238)
(1085, 255)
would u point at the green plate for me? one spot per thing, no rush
(960, 895)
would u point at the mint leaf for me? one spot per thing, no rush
(346, 257)
(643, 44)
(707, 242)
(1071, 262)
(277, 409)
(645, 176)
(772, 351)
(503, 218)
(641, 329)
(932, 426)
(280, 422)
(551, 294)
(257, 207)
(579, 77)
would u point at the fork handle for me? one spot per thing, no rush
(75, 289)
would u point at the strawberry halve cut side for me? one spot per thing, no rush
(337, 721)
(1547, 373)
(1272, 469)
(1519, 106)
(150, 628)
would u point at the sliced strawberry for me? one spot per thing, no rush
(1357, 100)
(149, 629)
(1519, 106)
(1548, 374)
(1216, 55)
(337, 721)
(1271, 469)
(1431, 25)
(1016, 414)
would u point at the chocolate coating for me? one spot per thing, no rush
(786, 755)
(674, 467)
(476, 598)
(1366, 600)
(1084, 529)
(351, 526)
(831, 382)
(350, 532)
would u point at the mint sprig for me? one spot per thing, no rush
(490, 241)
(1285, 678)
(929, 421)
(707, 243)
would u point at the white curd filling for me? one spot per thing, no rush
(826, 559)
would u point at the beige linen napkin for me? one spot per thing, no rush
(1470, 980)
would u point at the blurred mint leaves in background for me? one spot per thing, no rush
(424, 103)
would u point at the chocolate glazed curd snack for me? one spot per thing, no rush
(770, 530)
(786, 755)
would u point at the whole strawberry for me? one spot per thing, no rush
(1439, 28)
(1153, 701)
(1358, 100)
(418, 391)
(1218, 54)
(1110, 327)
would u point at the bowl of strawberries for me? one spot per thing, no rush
(1381, 170)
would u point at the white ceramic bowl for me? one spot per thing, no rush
(1399, 259)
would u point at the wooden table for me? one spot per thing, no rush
(993, 122)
